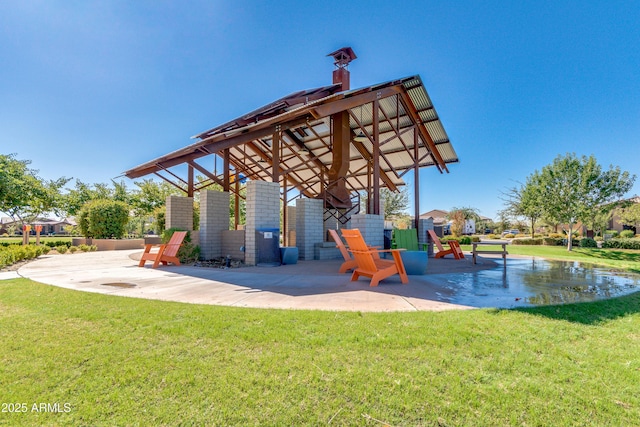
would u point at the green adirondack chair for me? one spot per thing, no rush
(407, 239)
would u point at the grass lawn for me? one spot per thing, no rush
(121, 361)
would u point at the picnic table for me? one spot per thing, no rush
(503, 251)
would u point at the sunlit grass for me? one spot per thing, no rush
(121, 361)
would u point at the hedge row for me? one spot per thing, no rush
(12, 254)
(633, 243)
(49, 243)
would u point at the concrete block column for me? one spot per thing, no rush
(309, 228)
(214, 219)
(263, 211)
(291, 226)
(371, 227)
(424, 225)
(179, 213)
(330, 222)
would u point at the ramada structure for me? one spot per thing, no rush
(323, 148)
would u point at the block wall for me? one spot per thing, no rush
(309, 228)
(214, 219)
(263, 211)
(179, 213)
(291, 226)
(424, 225)
(371, 227)
(232, 243)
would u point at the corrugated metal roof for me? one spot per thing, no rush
(298, 112)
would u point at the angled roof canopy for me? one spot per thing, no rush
(395, 120)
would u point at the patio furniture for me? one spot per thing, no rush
(475, 250)
(166, 253)
(415, 262)
(349, 263)
(407, 239)
(454, 248)
(368, 265)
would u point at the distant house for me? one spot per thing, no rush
(616, 224)
(439, 217)
(49, 225)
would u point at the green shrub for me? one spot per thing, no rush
(159, 214)
(103, 219)
(627, 234)
(587, 242)
(621, 244)
(56, 243)
(492, 236)
(612, 233)
(509, 236)
(556, 236)
(12, 254)
(527, 241)
(73, 249)
(465, 240)
(475, 239)
(62, 249)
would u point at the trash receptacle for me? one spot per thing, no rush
(268, 245)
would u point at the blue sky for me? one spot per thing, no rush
(91, 89)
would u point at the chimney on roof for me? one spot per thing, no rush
(341, 59)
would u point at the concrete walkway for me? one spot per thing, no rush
(314, 285)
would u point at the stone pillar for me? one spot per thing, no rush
(179, 213)
(424, 225)
(214, 219)
(309, 227)
(291, 226)
(371, 227)
(263, 211)
(330, 222)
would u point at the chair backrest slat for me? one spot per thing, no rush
(174, 243)
(339, 244)
(406, 239)
(359, 249)
(436, 240)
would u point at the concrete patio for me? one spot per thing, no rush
(314, 285)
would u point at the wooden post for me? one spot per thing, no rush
(416, 179)
(376, 159)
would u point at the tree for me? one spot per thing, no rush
(76, 198)
(526, 201)
(23, 195)
(573, 189)
(459, 216)
(394, 203)
(103, 219)
(630, 215)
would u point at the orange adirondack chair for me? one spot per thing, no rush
(457, 250)
(369, 266)
(349, 263)
(166, 253)
(454, 247)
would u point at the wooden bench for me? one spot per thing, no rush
(475, 250)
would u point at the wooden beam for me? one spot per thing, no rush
(275, 155)
(225, 165)
(190, 181)
(334, 107)
(376, 158)
(416, 181)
